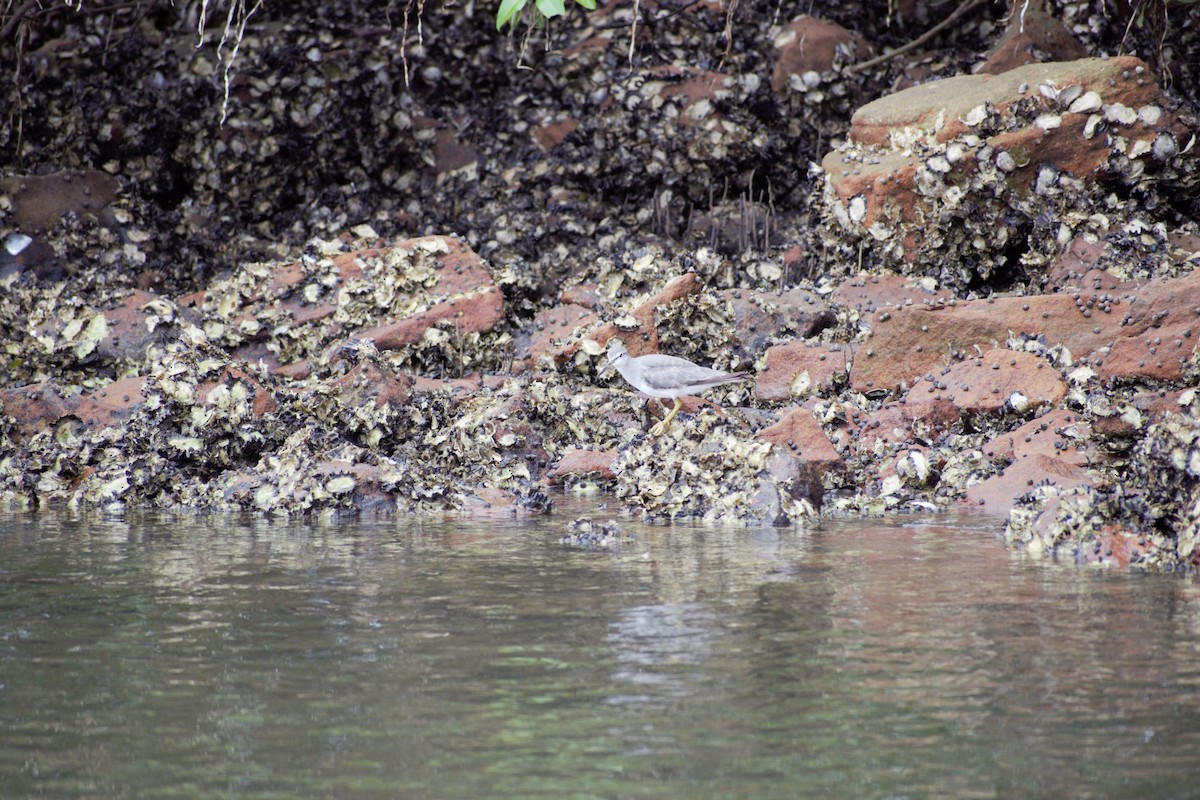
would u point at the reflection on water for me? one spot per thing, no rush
(210, 657)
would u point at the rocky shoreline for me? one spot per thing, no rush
(986, 298)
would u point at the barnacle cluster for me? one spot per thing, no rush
(266, 231)
(1151, 497)
(986, 210)
(587, 533)
(712, 470)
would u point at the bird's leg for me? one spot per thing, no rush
(661, 428)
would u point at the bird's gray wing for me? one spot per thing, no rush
(671, 374)
(658, 361)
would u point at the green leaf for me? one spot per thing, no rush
(590, 5)
(552, 8)
(508, 12)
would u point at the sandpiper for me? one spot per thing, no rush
(667, 376)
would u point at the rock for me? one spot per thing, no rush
(709, 469)
(697, 92)
(812, 45)
(40, 201)
(285, 313)
(491, 503)
(1079, 264)
(550, 327)
(473, 303)
(1032, 36)
(760, 317)
(801, 436)
(329, 483)
(944, 108)
(583, 294)
(1139, 332)
(459, 389)
(583, 463)
(22, 254)
(449, 154)
(371, 382)
(1050, 450)
(262, 399)
(997, 380)
(789, 492)
(551, 134)
(644, 338)
(797, 370)
(38, 407)
(867, 293)
(1086, 524)
(970, 146)
(907, 422)
(475, 312)
(1112, 545)
(139, 321)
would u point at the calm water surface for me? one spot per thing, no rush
(228, 657)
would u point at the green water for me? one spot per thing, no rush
(226, 657)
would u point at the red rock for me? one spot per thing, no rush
(941, 106)
(984, 384)
(461, 277)
(1040, 451)
(367, 381)
(1184, 246)
(470, 313)
(1032, 36)
(40, 201)
(643, 339)
(583, 294)
(907, 422)
(1114, 330)
(489, 503)
(1078, 264)
(868, 293)
(883, 189)
(793, 258)
(1159, 354)
(551, 135)
(449, 154)
(696, 91)
(460, 389)
(1111, 546)
(112, 405)
(296, 371)
(128, 333)
(38, 407)
(1155, 405)
(798, 369)
(801, 436)
(579, 463)
(460, 292)
(760, 317)
(550, 326)
(811, 44)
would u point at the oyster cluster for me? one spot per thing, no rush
(379, 272)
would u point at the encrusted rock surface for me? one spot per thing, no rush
(386, 282)
(991, 173)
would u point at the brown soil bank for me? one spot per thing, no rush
(956, 253)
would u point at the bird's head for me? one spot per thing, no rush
(616, 351)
